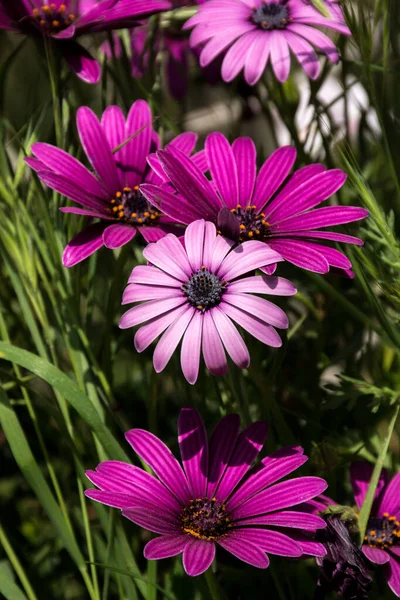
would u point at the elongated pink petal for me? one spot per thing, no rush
(134, 153)
(265, 474)
(113, 124)
(392, 571)
(247, 257)
(302, 256)
(152, 276)
(191, 348)
(375, 555)
(222, 443)
(84, 244)
(153, 520)
(360, 476)
(258, 307)
(287, 518)
(115, 236)
(160, 458)
(257, 328)
(212, 347)
(193, 443)
(264, 284)
(390, 501)
(155, 327)
(280, 55)
(244, 151)
(97, 149)
(231, 339)
(194, 242)
(222, 167)
(282, 495)
(166, 254)
(63, 164)
(248, 445)
(136, 292)
(165, 546)
(244, 550)
(141, 479)
(272, 542)
(170, 339)
(149, 310)
(272, 174)
(198, 556)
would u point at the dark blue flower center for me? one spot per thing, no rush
(52, 19)
(205, 518)
(383, 532)
(271, 15)
(204, 289)
(253, 225)
(132, 207)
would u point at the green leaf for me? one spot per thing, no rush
(8, 588)
(70, 391)
(321, 7)
(26, 461)
(373, 484)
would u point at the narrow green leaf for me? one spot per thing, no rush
(8, 589)
(373, 484)
(26, 461)
(321, 7)
(65, 386)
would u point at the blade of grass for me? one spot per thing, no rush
(69, 390)
(369, 498)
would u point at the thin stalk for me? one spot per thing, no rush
(373, 484)
(54, 84)
(18, 568)
(213, 586)
(89, 540)
(110, 539)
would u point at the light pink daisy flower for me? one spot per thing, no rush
(254, 32)
(194, 293)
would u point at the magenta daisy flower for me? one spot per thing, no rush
(273, 206)
(65, 20)
(113, 195)
(216, 499)
(254, 32)
(194, 293)
(381, 544)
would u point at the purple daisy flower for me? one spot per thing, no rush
(216, 499)
(113, 196)
(65, 20)
(253, 32)
(381, 544)
(273, 206)
(194, 293)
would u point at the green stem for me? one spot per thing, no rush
(215, 591)
(373, 484)
(13, 558)
(54, 80)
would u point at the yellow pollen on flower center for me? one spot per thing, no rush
(383, 532)
(130, 206)
(53, 19)
(252, 225)
(205, 518)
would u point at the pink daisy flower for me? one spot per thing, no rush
(193, 293)
(65, 20)
(216, 499)
(113, 193)
(381, 543)
(255, 32)
(272, 206)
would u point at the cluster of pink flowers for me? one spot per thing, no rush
(209, 220)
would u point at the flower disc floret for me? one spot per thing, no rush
(205, 519)
(204, 289)
(271, 15)
(130, 206)
(383, 532)
(52, 18)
